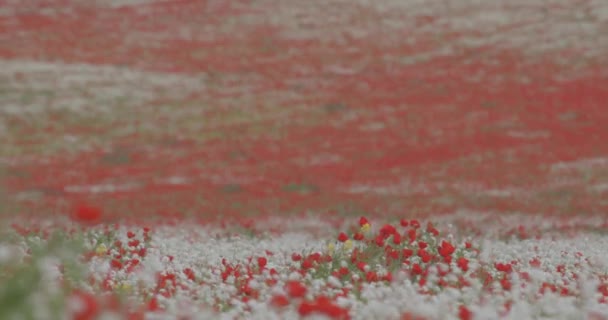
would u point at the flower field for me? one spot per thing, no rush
(270, 159)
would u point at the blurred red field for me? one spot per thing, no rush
(348, 107)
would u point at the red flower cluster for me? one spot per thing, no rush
(323, 306)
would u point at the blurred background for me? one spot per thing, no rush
(220, 109)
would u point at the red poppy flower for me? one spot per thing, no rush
(116, 264)
(88, 308)
(446, 249)
(396, 238)
(379, 240)
(87, 214)
(504, 267)
(133, 243)
(371, 276)
(279, 301)
(262, 261)
(387, 230)
(153, 305)
(464, 313)
(463, 264)
(424, 255)
(363, 221)
(189, 274)
(505, 284)
(141, 252)
(295, 289)
(415, 224)
(411, 234)
(343, 271)
(416, 269)
(407, 253)
(535, 263)
(306, 308)
(431, 229)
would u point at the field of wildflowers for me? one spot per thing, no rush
(281, 159)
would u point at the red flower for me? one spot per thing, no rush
(358, 236)
(505, 283)
(504, 267)
(416, 269)
(363, 221)
(411, 235)
(306, 308)
(141, 252)
(446, 249)
(189, 274)
(87, 214)
(404, 223)
(392, 254)
(279, 301)
(388, 277)
(132, 265)
(424, 255)
(361, 266)
(296, 257)
(463, 264)
(133, 243)
(130, 234)
(387, 230)
(307, 264)
(153, 305)
(342, 237)
(343, 271)
(396, 238)
(431, 229)
(324, 306)
(407, 253)
(88, 308)
(422, 282)
(327, 307)
(547, 286)
(379, 240)
(295, 289)
(116, 264)
(262, 261)
(535, 263)
(371, 276)
(415, 224)
(464, 313)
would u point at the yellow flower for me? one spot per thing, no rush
(365, 228)
(125, 287)
(348, 244)
(101, 249)
(331, 247)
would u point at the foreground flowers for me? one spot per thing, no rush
(409, 269)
